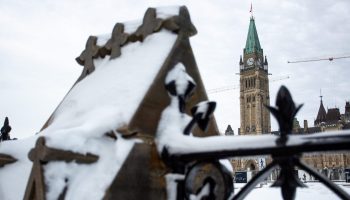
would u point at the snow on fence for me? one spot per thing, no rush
(192, 155)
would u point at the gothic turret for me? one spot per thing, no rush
(241, 64)
(321, 115)
(347, 111)
(266, 64)
(229, 130)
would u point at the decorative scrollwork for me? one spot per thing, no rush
(208, 180)
(201, 115)
(179, 84)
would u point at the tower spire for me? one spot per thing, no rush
(321, 115)
(251, 10)
(252, 45)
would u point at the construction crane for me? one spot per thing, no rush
(331, 58)
(234, 87)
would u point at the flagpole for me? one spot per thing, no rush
(251, 10)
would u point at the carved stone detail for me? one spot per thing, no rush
(86, 57)
(181, 23)
(149, 25)
(113, 45)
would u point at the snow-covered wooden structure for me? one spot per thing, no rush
(100, 141)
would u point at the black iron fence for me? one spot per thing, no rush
(205, 178)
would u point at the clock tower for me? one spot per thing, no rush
(254, 86)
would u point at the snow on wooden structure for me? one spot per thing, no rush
(99, 143)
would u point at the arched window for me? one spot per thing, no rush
(254, 82)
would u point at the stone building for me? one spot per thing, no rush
(330, 164)
(254, 94)
(255, 118)
(254, 86)
(330, 120)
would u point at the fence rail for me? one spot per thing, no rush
(285, 150)
(298, 144)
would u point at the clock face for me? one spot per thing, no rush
(250, 61)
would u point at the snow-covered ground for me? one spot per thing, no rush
(315, 190)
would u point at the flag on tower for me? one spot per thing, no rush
(251, 7)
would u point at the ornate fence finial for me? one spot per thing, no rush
(5, 130)
(284, 112)
(178, 83)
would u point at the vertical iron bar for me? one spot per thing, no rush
(255, 180)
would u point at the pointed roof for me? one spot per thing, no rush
(333, 116)
(106, 104)
(229, 130)
(252, 45)
(321, 115)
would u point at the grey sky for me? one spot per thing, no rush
(39, 41)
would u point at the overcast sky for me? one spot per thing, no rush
(39, 41)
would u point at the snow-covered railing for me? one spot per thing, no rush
(195, 161)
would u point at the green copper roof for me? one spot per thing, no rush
(252, 45)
